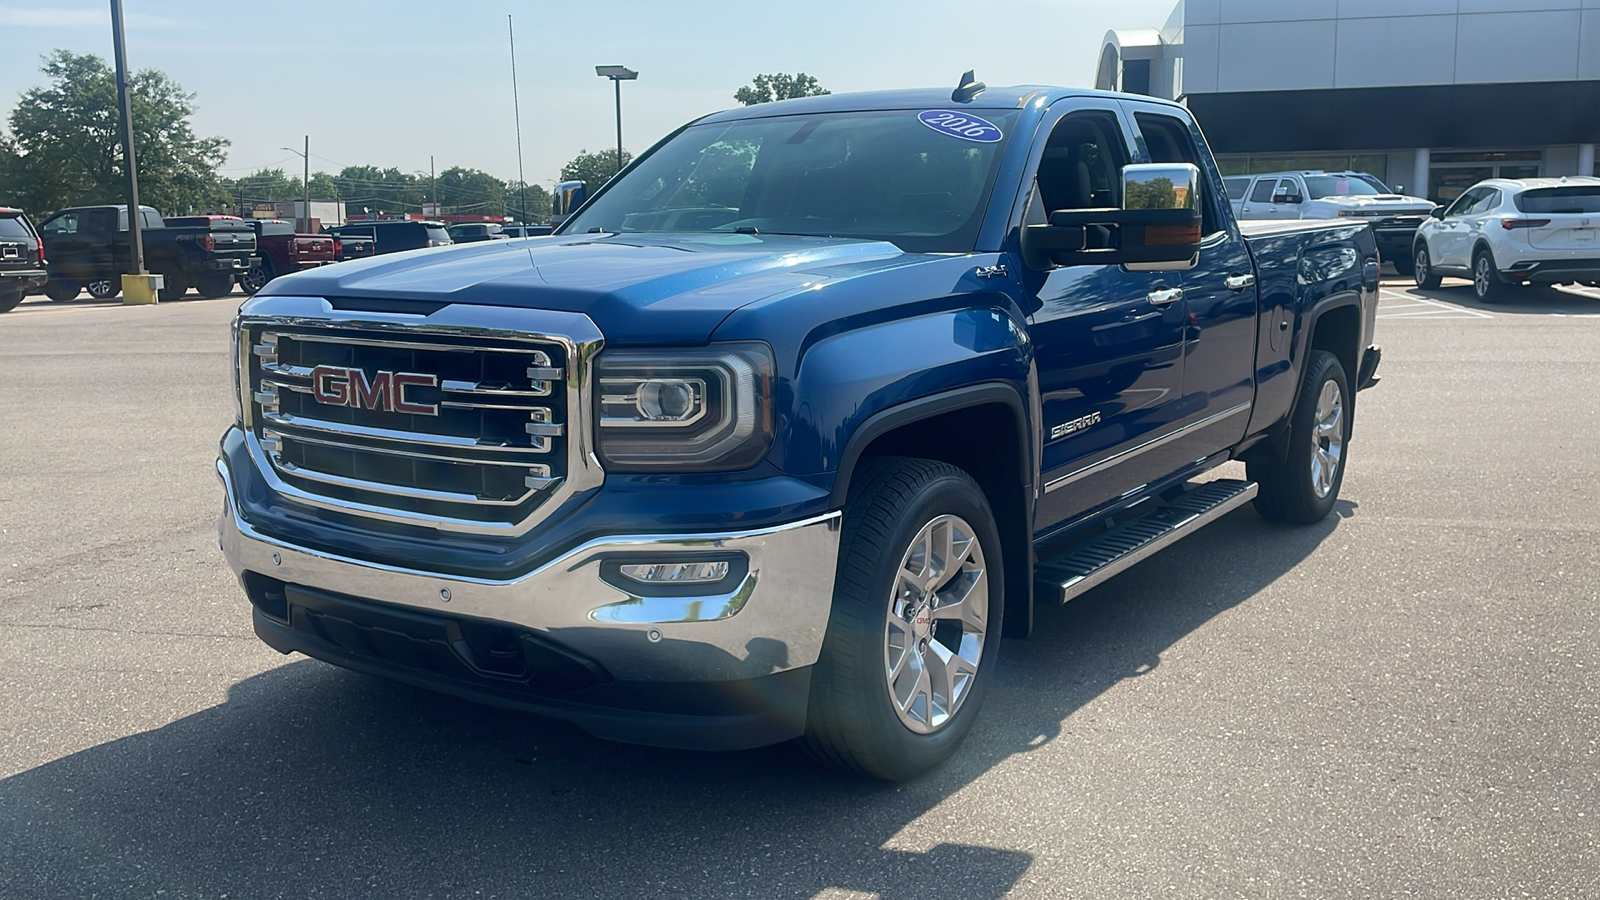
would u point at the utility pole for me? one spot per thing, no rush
(433, 185)
(135, 235)
(306, 184)
(516, 106)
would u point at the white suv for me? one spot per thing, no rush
(1506, 232)
(1334, 195)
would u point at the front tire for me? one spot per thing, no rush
(1422, 268)
(915, 626)
(1302, 486)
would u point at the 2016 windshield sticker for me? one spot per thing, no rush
(960, 125)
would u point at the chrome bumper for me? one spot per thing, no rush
(771, 620)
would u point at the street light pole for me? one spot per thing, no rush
(135, 234)
(617, 74)
(305, 184)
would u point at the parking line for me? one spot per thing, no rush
(1412, 302)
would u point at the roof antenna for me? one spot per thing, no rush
(970, 87)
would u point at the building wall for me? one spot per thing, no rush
(1269, 45)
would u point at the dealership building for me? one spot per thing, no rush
(1428, 95)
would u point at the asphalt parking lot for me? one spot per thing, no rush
(1403, 701)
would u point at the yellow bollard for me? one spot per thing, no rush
(137, 289)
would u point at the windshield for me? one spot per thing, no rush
(885, 175)
(1319, 186)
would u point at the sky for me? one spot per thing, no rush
(393, 82)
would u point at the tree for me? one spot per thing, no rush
(266, 184)
(537, 210)
(471, 191)
(66, 147)
(593, 169)
(387, 190)
(323, 186)
(767, 88)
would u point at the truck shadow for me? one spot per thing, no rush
(311, 780)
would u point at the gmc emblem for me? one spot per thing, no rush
(385, 391)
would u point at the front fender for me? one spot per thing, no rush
(845, 379)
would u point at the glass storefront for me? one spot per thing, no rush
(1371, 163)
(1451, 172)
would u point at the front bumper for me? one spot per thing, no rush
(715, 668)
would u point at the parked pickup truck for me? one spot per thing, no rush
(279, 251)
(789, 423)
(1334, 195)
(22, 263)
(88, 247)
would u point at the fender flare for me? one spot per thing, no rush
(887, 420)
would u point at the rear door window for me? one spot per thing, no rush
(1575, 200)
(1236, 187)
(1168, 140)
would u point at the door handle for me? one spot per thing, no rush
(1239, 282)
(1164, 296)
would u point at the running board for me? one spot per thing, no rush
(1085, 565)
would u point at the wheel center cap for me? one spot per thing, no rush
(922, 621)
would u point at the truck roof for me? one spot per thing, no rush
(1013, 97)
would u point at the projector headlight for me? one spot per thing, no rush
(701, 410)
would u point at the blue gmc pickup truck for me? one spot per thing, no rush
(790, 422)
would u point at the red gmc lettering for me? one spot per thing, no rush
(384, 391)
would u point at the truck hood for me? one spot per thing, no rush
(1374, 203)
(638, 289)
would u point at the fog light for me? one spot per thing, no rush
(677, 573)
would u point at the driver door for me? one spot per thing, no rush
(1108, 341)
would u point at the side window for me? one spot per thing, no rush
(1168, 140)
(66, 223)
(97, 221)
(1464, 202)
(1489, 200)
(149, 218)
(1263, 191)
(1236, 187)
(1082, 163)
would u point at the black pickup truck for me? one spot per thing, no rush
(88, 248)
(780, 431)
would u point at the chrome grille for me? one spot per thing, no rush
(493, 444)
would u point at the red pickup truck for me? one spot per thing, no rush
(279, 250)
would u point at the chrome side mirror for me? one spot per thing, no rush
(566, 198)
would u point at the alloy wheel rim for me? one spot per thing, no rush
(1327, 439)
(100, 288)
(1421, 265)
(938, 617)
(1480, 276)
